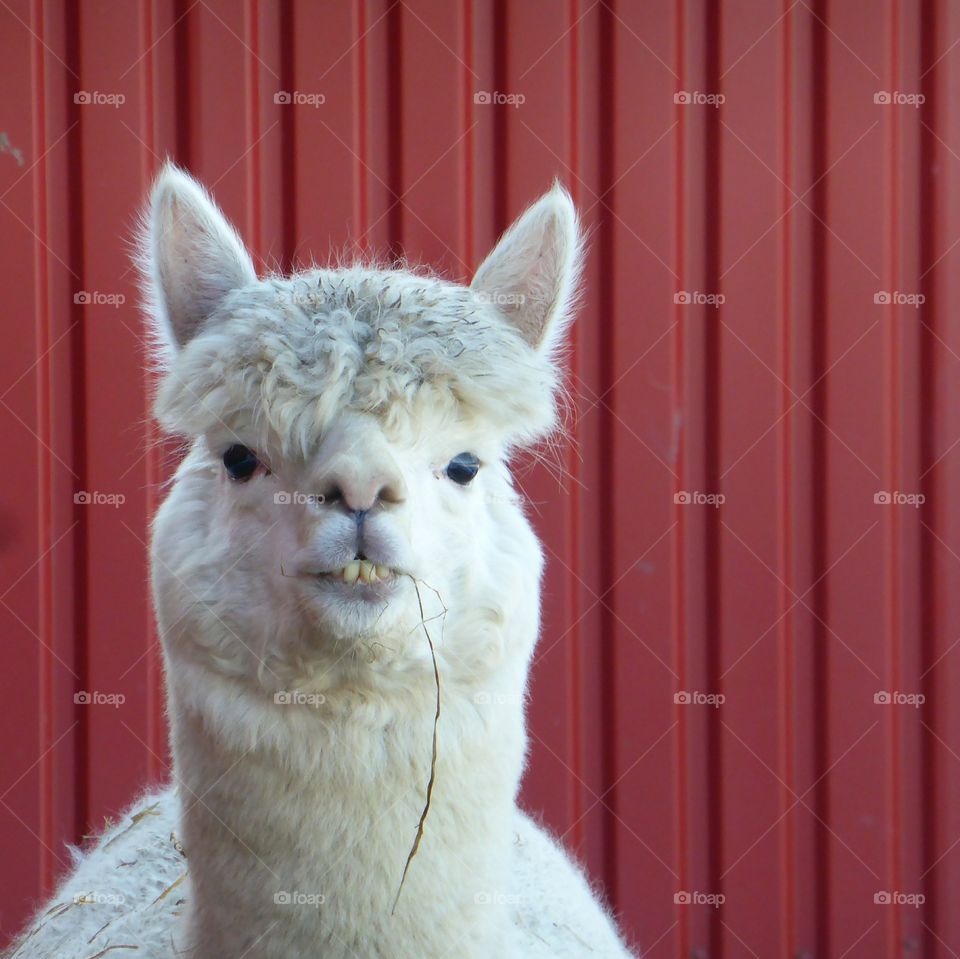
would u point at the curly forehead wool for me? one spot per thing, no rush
(285, 356)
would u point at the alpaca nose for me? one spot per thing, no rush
(360, 491)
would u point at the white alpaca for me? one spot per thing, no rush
(343, 526)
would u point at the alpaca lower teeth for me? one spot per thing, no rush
(362, 570)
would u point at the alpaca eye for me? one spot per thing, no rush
(462, 468)
(240, 462)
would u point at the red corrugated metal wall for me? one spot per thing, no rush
(820, 216)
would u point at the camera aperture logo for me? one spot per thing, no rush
(94, 98)
(99, 899)
(696, 498)
(694, 697)
(694, 98)
(98, 298)
(884, 898)
(497, 98)
(94, 697)
(296, 898)
(497, 898)
(85, 497)
(695, 898)
(299, 98)
(301, 296)
(297, 498)
(897, 698)
(501, 299)
(899, 298)
(897, 98)
(696, 298)
(897, 498)
(298, 697)
(485, 698)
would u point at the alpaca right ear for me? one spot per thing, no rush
(191, 258)
(533, 272)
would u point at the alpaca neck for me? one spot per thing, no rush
(307, 819)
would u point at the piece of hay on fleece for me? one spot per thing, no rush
(123, 896)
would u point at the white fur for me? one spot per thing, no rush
(302, 709)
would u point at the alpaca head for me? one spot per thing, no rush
(350, 430)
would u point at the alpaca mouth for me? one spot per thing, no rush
(360, 572)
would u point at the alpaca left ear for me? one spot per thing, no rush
(533, 272)
(191, 258)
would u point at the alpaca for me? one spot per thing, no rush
(347, 591)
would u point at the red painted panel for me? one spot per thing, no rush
(798, 398)
(751, 386)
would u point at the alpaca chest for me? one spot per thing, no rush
(312, 865)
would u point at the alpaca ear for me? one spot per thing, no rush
(533, 272)
(190, 256)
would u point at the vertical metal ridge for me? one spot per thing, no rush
(182, 35)
(819, 117)
(929, 190)
(606, 307)
(156, 734)
(894, 471)
(712, 398)
(288, 140)
(575, 677)
(500, 144)
(78, 427)
(394, 97)
(45, 693)
(787, 732)
(467, 220)
(679, 540)
(254, 177)
(361, 208)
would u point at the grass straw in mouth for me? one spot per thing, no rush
(433, 758)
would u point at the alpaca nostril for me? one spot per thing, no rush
(332, 495)
(391, 493)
